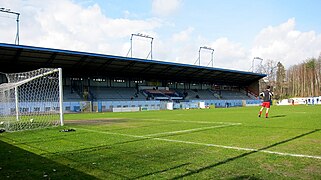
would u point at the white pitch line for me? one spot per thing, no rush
(208, 145)
(242, 149)
(197, 122)
(187, 130)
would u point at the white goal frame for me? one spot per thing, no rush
(31, 100)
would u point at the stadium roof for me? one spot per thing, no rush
(19, 58)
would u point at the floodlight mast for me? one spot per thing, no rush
(5, 10)
(212, 55)
(143, 36)
(256, 58)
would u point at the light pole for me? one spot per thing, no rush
(4, 10)
(256, 58)
(199, 55)
(143, 36)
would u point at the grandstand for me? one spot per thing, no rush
(70, 94)
(115, 93)
(107, 82)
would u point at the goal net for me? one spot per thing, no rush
(31, 100)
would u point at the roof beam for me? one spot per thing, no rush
(17, 56)
(147, 68)
(183, 69)
(128, 66)
(108, 62)
(51, 59)
(82, 59)
(166, 69)
(196, 72)
(209, 76)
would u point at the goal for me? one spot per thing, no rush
(31, 100)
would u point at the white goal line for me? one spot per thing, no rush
(208, 145)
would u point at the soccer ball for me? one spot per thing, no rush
(1, 122)
(31, 120)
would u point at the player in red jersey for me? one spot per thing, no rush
(267, 97)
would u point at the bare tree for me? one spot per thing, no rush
(304, 79)
(280, 84)
(269, 68)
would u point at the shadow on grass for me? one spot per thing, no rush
(17, 163)
(242, 155)
(161, 171)
(278, 116)
(245, 177)
(98, 148)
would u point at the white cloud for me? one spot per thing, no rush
(280, 43)
(183, 47)
(165, 7)
(286, 44)
(86, 28)
(230, 55)
(49, 24)
(183, 35)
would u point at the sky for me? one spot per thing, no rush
(286, 31)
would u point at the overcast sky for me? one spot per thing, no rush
(288, 31)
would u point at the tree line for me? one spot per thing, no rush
(301, 80)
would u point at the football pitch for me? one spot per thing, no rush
(225, 143)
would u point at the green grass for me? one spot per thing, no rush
(189, 144)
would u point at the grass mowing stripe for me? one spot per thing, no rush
(187, 130)
(209, 145)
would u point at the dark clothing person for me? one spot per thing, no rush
(267, 98)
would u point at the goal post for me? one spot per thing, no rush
(31, 100)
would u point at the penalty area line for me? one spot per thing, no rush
(184, 121)
(207, 144)
(188, 130)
